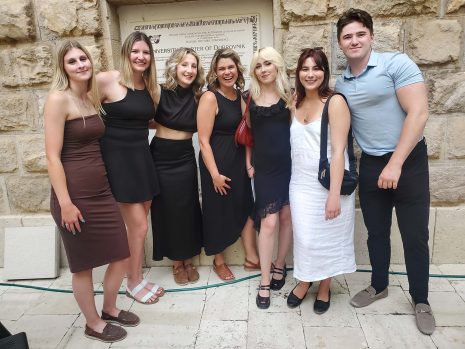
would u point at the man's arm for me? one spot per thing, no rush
(414, 101)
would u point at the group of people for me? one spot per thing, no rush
(106, 177)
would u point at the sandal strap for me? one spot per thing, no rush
(277, 270)
(263, 287)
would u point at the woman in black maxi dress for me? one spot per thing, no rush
(226, 189)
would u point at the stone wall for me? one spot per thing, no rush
(430, 31)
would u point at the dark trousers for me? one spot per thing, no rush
(411, 201)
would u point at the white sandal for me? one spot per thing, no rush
(145, 299)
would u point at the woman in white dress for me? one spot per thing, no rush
(322, 220)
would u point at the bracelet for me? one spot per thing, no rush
(250, 168)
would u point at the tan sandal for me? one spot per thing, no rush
(192, 273)
(251, 266)
(223, 271)
(180, 275)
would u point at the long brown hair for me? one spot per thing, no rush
(321, 61)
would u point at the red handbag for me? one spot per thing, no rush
(243, 135)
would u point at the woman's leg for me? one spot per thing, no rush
(83, 291)
(111, 285)
(249, 242)
(323, 290)
(265, 248)
(285, 239)
(135, 218)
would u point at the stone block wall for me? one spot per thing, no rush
(430, 31)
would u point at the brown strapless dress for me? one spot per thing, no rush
(103, 237)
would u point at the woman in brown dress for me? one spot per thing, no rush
(81, 202)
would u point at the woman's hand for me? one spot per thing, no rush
(70, 218)
(251, 171)
(220, 185)
(333, 206)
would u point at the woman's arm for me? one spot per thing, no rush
(339, 124)
(55, 114)
(206, 114)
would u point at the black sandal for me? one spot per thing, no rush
(275, 284)
(263, 302)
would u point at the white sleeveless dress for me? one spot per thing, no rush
(322, 248)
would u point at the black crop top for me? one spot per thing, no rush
(177, 109)
(133, 111)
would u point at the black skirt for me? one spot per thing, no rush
(175, 212)
(129, 165)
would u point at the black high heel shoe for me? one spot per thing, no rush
(293, 301)
(276, 285)
(320, 307)
(263, 302)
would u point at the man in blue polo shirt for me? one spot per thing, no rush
(389, 108)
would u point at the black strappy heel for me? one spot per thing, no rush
(263, 302)
(276, 285)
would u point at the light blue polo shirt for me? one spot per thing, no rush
(377, 116)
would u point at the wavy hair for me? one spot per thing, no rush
(171, 65)
(212, 80)
(321, 61)
(282, 82)
(60, 81)
(149, 75)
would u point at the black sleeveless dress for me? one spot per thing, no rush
(125, 147)
(103, 237)
(271, 157)
(224, 216)
(175, 212)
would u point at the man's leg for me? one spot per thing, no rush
(376, 205)
(412, 203)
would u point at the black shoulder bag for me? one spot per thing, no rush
(350, 179)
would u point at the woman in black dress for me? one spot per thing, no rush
(81, 201)
(127, 97)
(226, 190)
(176, 214)
(270, 122)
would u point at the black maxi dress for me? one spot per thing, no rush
(271, 158)
(224, 216)
(175, 213)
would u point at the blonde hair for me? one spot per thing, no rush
(176, 58)
(282, 82)
(225, 53)
(149, 75)
(60, 81)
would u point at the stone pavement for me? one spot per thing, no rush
(227, 317)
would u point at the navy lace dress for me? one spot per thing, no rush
(271, 157)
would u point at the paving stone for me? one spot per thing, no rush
(334, 337)
(44, 331)
(449, 337)
(393, 331)
(459, 287)
(14, 305)
(75, 339)
(45, 283)
(452, 269)
(55, 304)
(340, 313)
(159, 336)
(222, 335)
(226, 303)
(238, 272)
(270, 330)
(435, 284)
(448, 308)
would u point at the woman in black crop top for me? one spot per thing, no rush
(227, 199)
(127, 98)
(175, 212)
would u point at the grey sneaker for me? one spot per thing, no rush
(425, 318)
(367, 296)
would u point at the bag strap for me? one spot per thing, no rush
(246, 107)
(324, 137)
